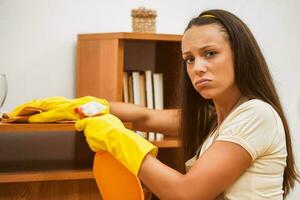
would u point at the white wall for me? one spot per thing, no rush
(38, 40)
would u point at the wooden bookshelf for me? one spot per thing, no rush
(103, 57)
(53, 161)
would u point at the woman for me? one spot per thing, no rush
(231, 121)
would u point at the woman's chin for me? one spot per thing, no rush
(206, 95)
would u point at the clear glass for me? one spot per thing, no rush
(3, 89)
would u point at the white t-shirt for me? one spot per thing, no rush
(257, 127)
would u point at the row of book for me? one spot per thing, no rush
(144, 88)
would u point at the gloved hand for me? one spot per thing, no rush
(53, 109)
(108, 133)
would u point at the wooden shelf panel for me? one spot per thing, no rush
(131, 35)
(72, 174)
(26, 127)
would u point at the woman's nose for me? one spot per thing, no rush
(200, 65)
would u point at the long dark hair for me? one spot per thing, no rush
(252, 76)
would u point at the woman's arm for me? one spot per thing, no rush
(218, 168)
(143, 119)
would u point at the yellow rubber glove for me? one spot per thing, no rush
(53, 109)
(108, 133)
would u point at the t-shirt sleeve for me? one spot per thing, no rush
(252, 126)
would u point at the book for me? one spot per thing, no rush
(142, 90)
(158, 96)
(136, 88)
(149, 98)
(137, 100)
(130, 88)
(142, 99)
(149, 89)
(125, 88)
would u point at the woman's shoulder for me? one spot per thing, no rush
(257, 108)
(252, 125)
(253, 112)
(257, 105)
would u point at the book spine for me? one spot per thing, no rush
(149, 97)
(158, 97)
(136, 88)
(125, 87)
(149, 89)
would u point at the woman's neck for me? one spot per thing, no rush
(226, 104)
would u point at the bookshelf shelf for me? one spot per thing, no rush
(130, 36)
(32, 176)
(22, 127)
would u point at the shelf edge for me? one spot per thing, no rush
(14, 177)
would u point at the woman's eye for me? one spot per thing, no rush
(189, 60)
(209, 54)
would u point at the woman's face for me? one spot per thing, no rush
(209, 60)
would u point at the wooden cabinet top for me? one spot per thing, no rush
(42, 127)
(132, 36)
(26, 127)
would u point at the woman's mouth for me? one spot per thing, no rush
(202, 82)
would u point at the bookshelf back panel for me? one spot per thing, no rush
(139, 55)
(169, 62)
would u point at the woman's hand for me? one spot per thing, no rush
(53, 109)
(108, 133)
